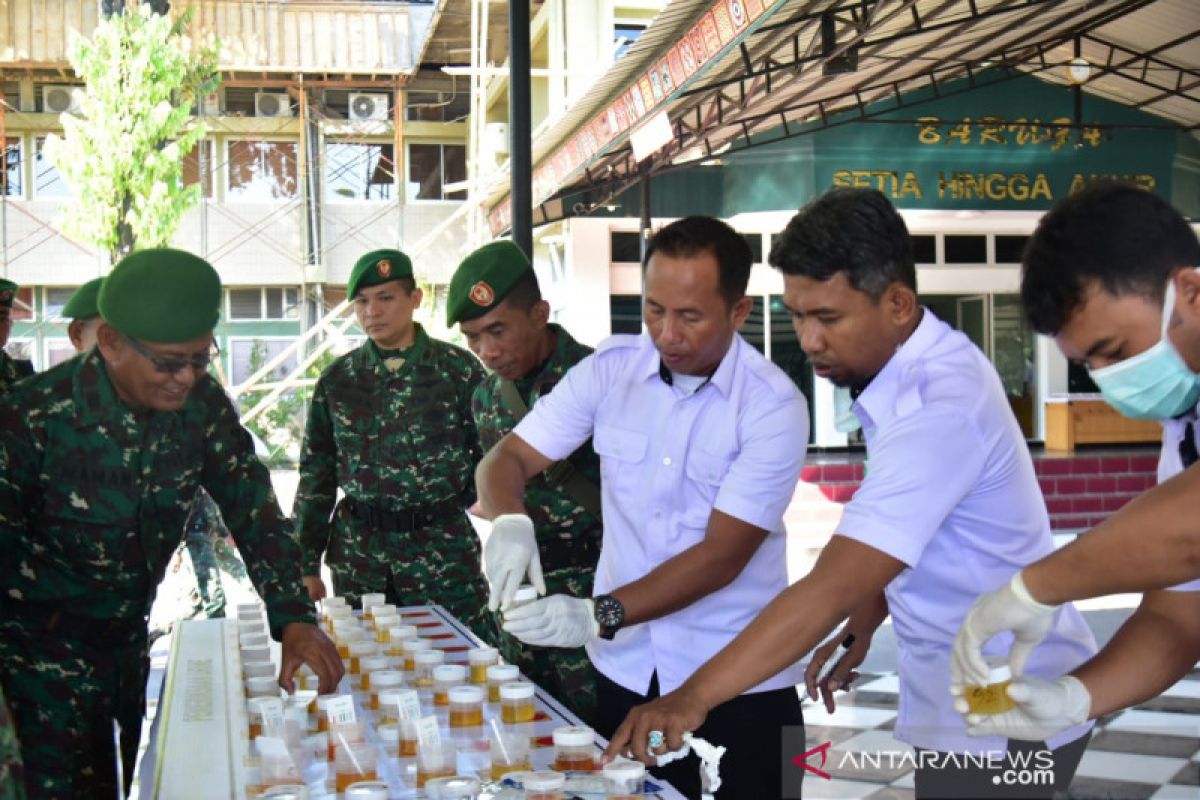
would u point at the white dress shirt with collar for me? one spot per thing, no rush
(1170, 463)
(668, 457)
(951, 492)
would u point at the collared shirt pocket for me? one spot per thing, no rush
(707, 467)
(619, 449)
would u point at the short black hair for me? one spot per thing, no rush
(1128, 239)
(525, 293)
(689, 236)
(855, 231)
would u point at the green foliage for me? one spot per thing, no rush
(123, 155)
(282, 426)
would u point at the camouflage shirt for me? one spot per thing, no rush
(12, 370)
(12, 775)
(94, 496)
(568, 535)
(391, 436)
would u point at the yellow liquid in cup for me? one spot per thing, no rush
(423, 777)
(517, 712)
(466, 718)
(345, 779)
(502, 768)
(990, 699)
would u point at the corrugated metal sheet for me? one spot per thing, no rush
(897, 54)
(256, 35)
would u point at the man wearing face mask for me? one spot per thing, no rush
(1112, 274)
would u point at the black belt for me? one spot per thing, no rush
(404, 520)
(101, 634)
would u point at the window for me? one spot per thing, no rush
(267, 303)
(753, 330)
(11, 183)
(359, 171)
(626, 313)
(56, 298)
(966, 249)
(432, 166)
(624, 35)
(58, 351)
(262, 171)
(247, 356)
(925, 249)
(192, 168)
(755, 241)
(47, 182)
(22, 308)
(426, 105)
(625, 247)
(1009, 249)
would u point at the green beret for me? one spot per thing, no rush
(82, 304)
(484, 279)
(376, 267)
(161, 295)
(8, 290)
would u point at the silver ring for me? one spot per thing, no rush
(657, 739)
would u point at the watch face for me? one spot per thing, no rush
(609, 612)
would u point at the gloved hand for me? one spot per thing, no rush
(1009, 608)
(1044, 708)
(555, 621)
(511, 550)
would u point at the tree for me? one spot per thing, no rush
(123, 154)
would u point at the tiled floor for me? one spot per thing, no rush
(1146, 752)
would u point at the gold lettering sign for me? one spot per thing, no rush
(968, 186)
(1021, 132)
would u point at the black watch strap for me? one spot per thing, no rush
(610, 615)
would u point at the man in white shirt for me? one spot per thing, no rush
(949, 508)
(1112, 274)
(701, 441)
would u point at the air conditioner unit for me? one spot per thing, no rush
(57, 99)
(495, 134)
(272, 104)
(368, 106)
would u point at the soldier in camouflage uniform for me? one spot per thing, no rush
(390, 424)
(494, 296)
(12, 773)
(202, 534)
(11, 369)
(100, 459)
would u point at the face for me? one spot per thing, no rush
(510, 341)
(83, 333)
(1108, 328)
(5, 324)
(688, 319)
(138, 382)
(847, 336)
(385, 313)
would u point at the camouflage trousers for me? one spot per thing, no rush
(64, 696)
(12, 773)
(211, 556)
(568, 675)
(439, 564)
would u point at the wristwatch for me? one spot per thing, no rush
(610, 615)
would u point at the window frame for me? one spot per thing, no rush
(228, 191)
(408, 161)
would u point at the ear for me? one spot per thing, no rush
(741, 310)
(900, 303)
(110, 342)
(540, 313)
(417, 296)
(1187, 292)
(75, 334)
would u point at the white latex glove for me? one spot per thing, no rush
(555, 621)
(1009, 608)
(510, 552)
(1044, 708)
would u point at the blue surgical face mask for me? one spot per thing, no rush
(844, 418)
(1155, 384)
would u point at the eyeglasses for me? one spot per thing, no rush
(170, 366)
